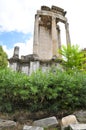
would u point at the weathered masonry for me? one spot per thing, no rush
(46, 41)
(47, 38)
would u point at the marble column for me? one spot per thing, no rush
(68, 41)
(59, 37)
(54, 37)
(36, 31)
(59, 40)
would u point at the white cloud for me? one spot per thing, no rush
(8, 51)
(19, 15)
(16, 15)
(24, 48)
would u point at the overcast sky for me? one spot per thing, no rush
(17, 22)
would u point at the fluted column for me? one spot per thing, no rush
(68, 41)
(54, 37)
(36, 31)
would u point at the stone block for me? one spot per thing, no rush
(66, 121)
(26, 127)
(7, 125)
(81, 116)
(77, 126)
(46, 122)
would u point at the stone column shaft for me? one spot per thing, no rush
(16, 52)
(59, 37)
(54, 37)
(68, 41)
(36, 31)
(59, 40)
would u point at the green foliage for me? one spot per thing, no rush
(13, 89)
(51, 90)
(84, 60)
(73, 58)
(3, 58)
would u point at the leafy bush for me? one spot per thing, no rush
(51, 90)
(12, 88)
(73, 57)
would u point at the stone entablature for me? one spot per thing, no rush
(54, 9)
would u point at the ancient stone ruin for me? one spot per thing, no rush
(47, 31)
(46, 41)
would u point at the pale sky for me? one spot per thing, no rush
(17, 22)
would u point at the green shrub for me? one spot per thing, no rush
(13, 88)
(51, 90)
(58, 90)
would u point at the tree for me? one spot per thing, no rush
(84, 57)
(73, 57)
(3, 58)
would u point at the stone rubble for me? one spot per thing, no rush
(77, 126)
(69, 121)
(7, 125)
(81, 116)
(26, 127)
(46, 122)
